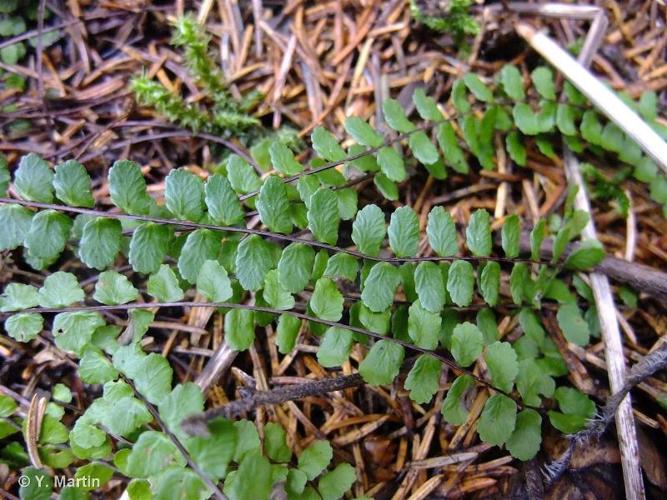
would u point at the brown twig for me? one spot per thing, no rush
(646, 367)
(196, 424)
(638, 276)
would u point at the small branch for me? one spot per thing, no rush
(197, 424)
(638, 276)
(642, 370)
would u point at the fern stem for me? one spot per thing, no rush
(231, 305)
(400, 137)
(179, 446)
(392, 140)
(367, 152)
(264, 234)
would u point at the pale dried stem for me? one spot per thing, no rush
(607, 102)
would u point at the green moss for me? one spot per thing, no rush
(455, 19)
